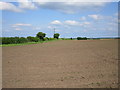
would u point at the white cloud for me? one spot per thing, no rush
(71, 22)
(20, 24)
(43, 1)
(71, 7)
(95, 16)
(56, 22)
(9, 6)
(25, 4)
(18, 29)
(65, 7)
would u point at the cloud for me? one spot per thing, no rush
(9, 6)
(95, 16)
(68, 24)
(65, 7)
(71, 7)
(43, 1)
(76, 23)
(71, 22)
(20, 24)
(25, 4)
(56, 22)
(18, 29)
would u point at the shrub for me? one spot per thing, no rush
(52, 38)
(33, 39)
(46, 38)
(13, 40)
(81, 38)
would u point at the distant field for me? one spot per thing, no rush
(61, 64)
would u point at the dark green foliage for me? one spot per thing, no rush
(81, 38)
(68, 38)
(33, 39)
(46, 39)
(56, 35)
(0, 40)
(13, 40)
(5, 40)
(16, 40)
(22, 40)
(41, 35)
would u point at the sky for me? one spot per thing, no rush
(70, 19)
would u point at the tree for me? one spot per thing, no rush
(56, 35)
(79, 38)
(41, 35)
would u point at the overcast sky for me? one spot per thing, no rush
(70, 19)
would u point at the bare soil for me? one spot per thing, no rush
(61, 64)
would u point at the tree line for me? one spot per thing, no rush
(40, 36)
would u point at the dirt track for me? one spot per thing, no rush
(61, 64)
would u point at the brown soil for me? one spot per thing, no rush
(61, 64)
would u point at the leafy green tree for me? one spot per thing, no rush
(79, 38)
(41, 35)
(56, 35)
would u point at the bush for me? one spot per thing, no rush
(22, 40)
(66, 39)
(13, 40)
(52, 38)
(46, 38)
(81, 38)
(33, 39)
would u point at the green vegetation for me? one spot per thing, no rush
(56, 35)
(13, 41)
(28, 43)
(81, 38)
(41, 35)
(40, 38)
(33, 39)
(68, 38)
